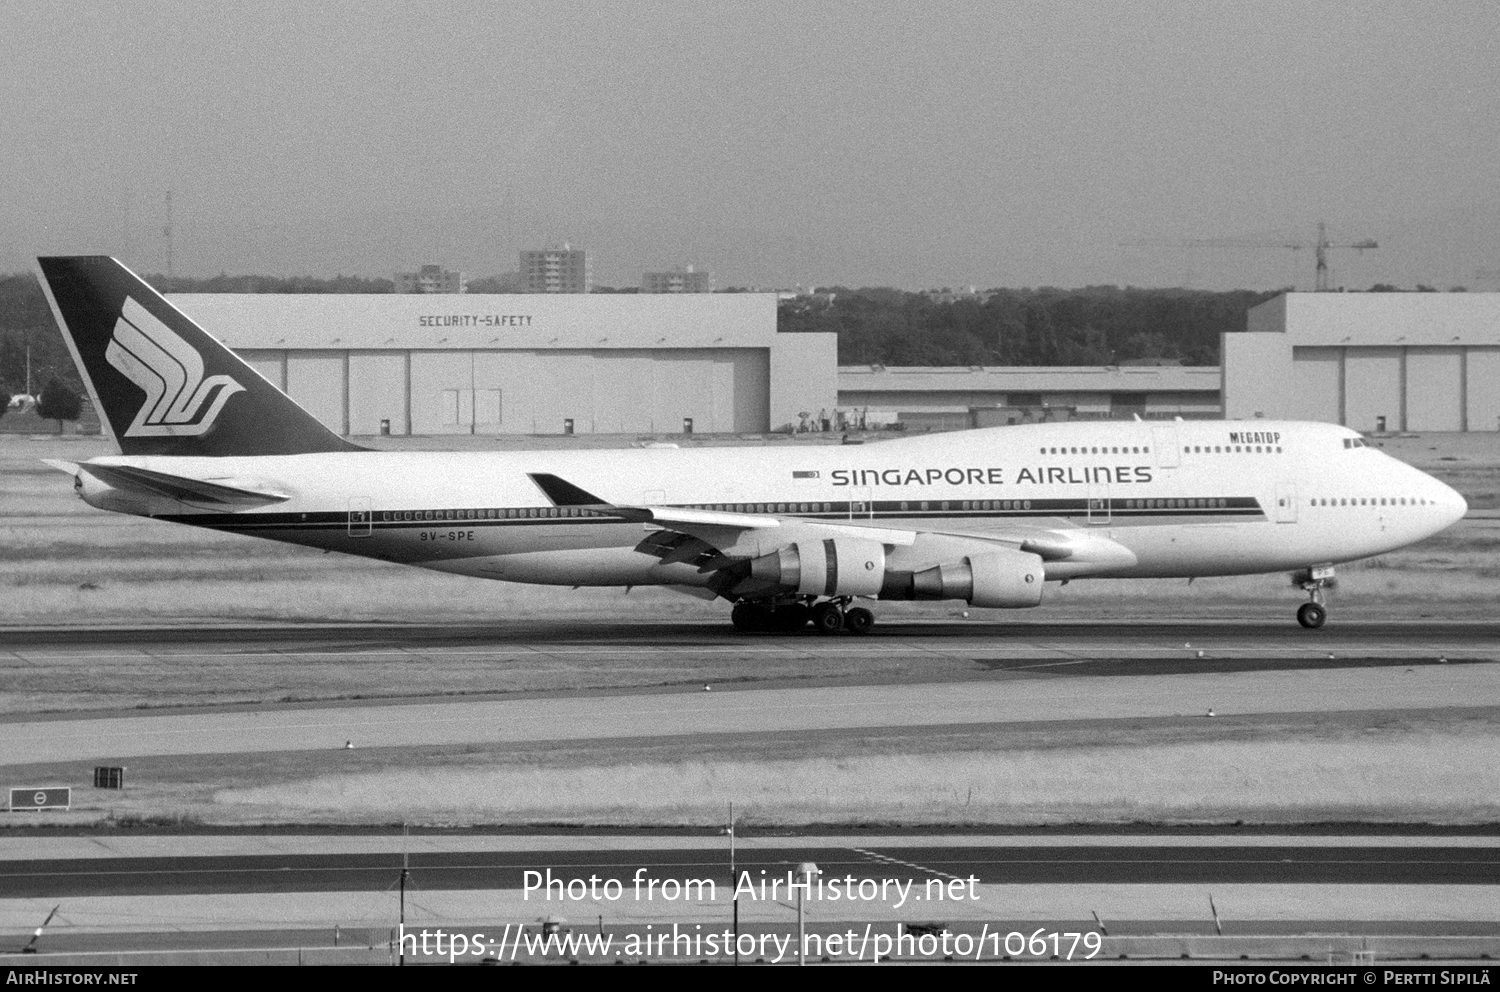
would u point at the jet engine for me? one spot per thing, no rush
(103, 496)
(997, 578)
(838, 566)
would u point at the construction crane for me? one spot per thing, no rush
(1320, 246)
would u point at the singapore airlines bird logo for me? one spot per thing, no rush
(170, 372)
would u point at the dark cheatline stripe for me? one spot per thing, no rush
(1207, 508)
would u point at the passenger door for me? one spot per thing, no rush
(1286, 502)
(1099, 509)
(359, 517)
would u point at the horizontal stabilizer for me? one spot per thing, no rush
(179, 488)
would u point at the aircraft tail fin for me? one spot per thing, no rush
(161, 384)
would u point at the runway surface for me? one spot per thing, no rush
(958, 637)
(907, 675)
(1207, 864)
(637, 715)
(961, 675)
(1276, 883)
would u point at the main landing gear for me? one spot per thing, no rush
(1314, 614)
(827, 617)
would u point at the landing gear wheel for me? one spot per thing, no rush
(1311, 615)
(747, 617)
(790, 618)
(827, 618)
(858, 620)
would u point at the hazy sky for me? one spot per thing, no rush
(910, 144)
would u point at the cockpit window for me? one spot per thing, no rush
(1355, 442)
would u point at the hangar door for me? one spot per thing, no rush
(270, 364)
(315, 382)
(619, 391)
(1372, 389)
(1316, 388)
(1483, 389)
(1434, 389)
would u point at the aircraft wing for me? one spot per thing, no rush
(182, 488)
(715, 539)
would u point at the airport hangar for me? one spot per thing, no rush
(647, 363)
(528, 363)
(1375, 362)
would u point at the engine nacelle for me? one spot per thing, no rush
(101, 495)
(1000, 578)
(837, 566)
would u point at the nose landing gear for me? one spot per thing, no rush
(1311, 615)
(1314, 614)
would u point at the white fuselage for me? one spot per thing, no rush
(1181, 498)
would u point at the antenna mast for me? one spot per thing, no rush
(1321, 253)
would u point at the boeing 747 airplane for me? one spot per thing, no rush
(790, 536)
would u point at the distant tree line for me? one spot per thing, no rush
(1096, 325)
(25, 321)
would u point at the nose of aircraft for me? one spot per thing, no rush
(1450, 503)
